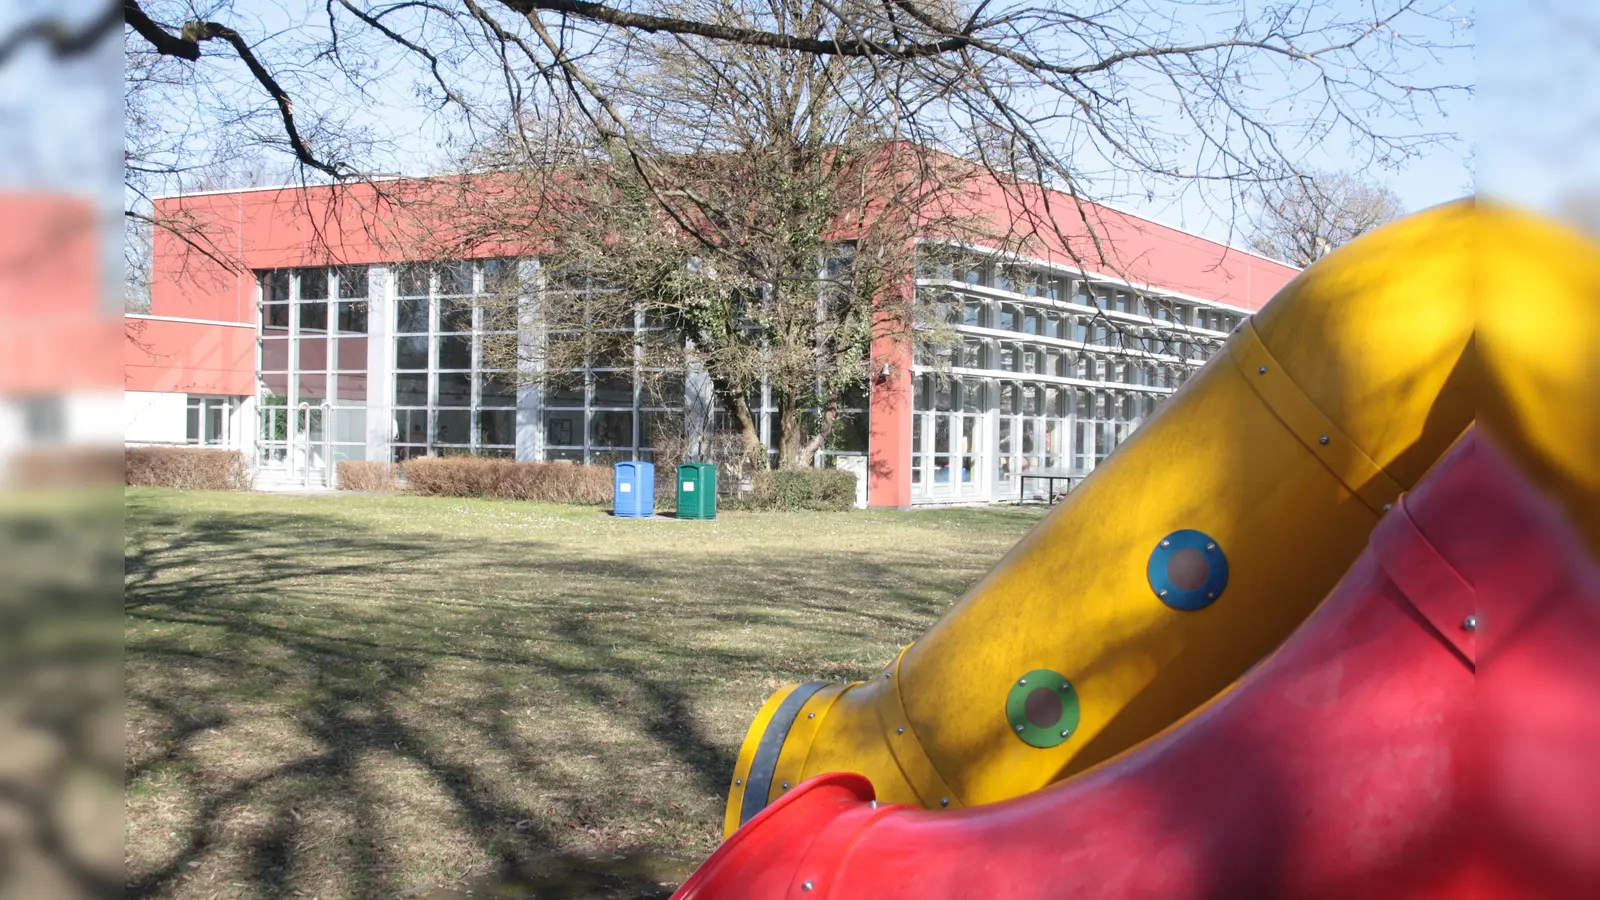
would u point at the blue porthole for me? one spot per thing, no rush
(1188, 570)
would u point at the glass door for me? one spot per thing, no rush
(966, 432)
(309, 450)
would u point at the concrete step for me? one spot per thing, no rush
(279, 482)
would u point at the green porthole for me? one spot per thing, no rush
(1042, 708)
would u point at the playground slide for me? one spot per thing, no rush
(1428, 732)
(1197, 548)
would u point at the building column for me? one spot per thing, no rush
(380, 364)
(890, 400)
(530, 394)
(699, 401)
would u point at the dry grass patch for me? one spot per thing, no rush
(361, 696)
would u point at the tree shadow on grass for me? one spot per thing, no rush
(388, 695)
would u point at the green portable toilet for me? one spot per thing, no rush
(697, 491)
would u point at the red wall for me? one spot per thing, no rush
(189, 357)
(1114, 244)
(204, 261)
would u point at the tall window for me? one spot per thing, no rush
(617, 405)
(313, 365)
(448, 399)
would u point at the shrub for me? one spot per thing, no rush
(189, 468)
(820, 489)
(503, 478)
(355, 475)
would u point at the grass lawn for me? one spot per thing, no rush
(367, 696)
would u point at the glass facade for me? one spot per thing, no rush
(613, 407)
(313, 369)
(1047, 371)
(441, 390)
(448, 397)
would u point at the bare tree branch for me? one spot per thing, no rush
(186, 46)
(62, 39)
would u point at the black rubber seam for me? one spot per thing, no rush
(759, 783)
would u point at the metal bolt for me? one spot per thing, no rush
(886, 674)
(1161, 593)
(1210, 547)
(873, 805)
(1388, 506)
(1019, 729)
(738, 781)
(786, 785)
(1166, 543)
(1066, 734)
(1470, 623)
(807, 886)
(900, 730)
(811, 715)
(1022, 681)
(1262, 370)
(1211, 595)
(1323, 439)
(944, 801)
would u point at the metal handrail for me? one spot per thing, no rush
(327, 444)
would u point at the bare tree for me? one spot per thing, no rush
(711, 118)
(1304, 218)
(773, 260)
(1104, 101)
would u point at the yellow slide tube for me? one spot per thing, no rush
(1195, 549)
(1538, 338)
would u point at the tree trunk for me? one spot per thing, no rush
(830, 417)
(791, 448)
(755, 452)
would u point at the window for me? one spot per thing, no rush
(934, 266)
(312, 389)
(448, 394)
(972, 313)
(1041, 286)
(972, 354)
(208, 421)
(1007, 320)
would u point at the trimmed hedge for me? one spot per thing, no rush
(831, 490)
(355, 475)
(503, 478)
(188, 468)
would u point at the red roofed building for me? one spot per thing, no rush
(297, 338)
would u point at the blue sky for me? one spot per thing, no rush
(1538, 116)
(1534, 121)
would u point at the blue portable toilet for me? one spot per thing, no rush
(635, 490)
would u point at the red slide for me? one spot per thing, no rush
(1433, 730)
